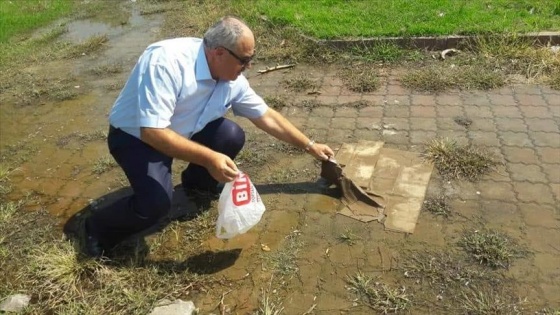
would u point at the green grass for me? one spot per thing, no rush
(360, 78)
(491, 248)
(348, 237)
(327, 19)
(21, 16)
(283, 262)
(438, 206)
(104, 164)
(379, 296)
(268, 306)
(455, 161)
(461, 285)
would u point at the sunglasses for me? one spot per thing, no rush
(243, 61)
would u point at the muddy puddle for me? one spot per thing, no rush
(302, 254)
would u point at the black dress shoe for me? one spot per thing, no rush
(204, 194)
(91, 245)
(198, 201)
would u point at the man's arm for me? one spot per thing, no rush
(278, 126)
(170, 143)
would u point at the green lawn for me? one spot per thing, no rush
(329, 19)
(20, 16)
(344, 18)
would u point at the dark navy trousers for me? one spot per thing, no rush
(149, 174)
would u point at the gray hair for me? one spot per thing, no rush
(226, 32)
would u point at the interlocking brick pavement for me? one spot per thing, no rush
(520, 124)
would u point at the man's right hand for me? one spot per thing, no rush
(222, 168)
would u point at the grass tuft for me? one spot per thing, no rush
(81, 137)
(454, 161)
(104, 164)
(250, 157)
(5, 185)
(482, 301)
(488, 62)
(348, 237)
(515, 55)
(283, 262)
(360, 78)
(438, 206)
(107, 69)
(89, 46)
(443, 271)
(9, 209)
(276, 102)
(18, 153)
(546, 310)
(554, 81)
(310, 104)
(491, 248)
(300, 84)
(267, 306)
(61, 270)
(378, 296)
(459, 286)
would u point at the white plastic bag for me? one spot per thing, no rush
(240, 207)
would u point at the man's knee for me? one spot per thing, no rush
(235, 135)
(153, 207)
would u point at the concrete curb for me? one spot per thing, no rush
(434, 43)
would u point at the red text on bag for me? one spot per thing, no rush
(241, 192)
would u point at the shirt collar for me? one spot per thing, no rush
(202, 71)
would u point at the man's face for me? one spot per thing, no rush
(234, 61)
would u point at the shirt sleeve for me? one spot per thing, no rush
(247, 103)
(157, 95)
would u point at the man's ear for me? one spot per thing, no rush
(218, 51)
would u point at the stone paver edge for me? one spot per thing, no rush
(434, 42)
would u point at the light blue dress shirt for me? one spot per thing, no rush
(171, 87)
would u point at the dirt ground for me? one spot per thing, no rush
(313, 252)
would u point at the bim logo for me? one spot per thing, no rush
(241, 191)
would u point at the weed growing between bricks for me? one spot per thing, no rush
(446, 280)
(444, 271)
(283, 262)
(491, 248)
(438, 206)
(490, 300)
(276, 102)
(348, 237)
(454, 161)
(309, 104)
(360, 78)
(377, 295)
(300, 84)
